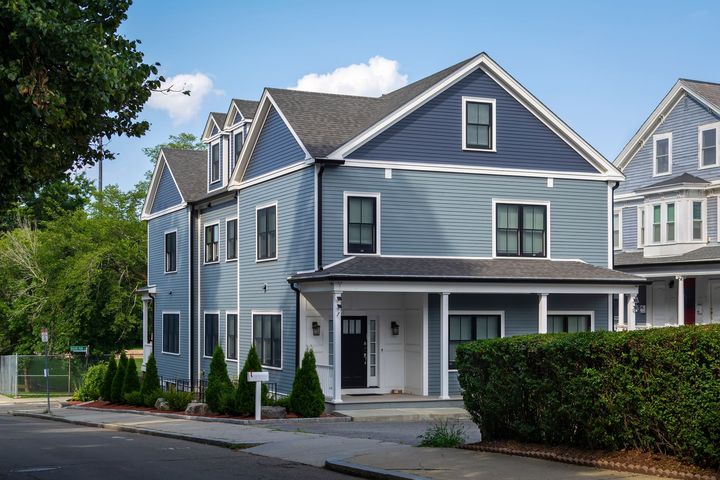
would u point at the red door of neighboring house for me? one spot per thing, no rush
(689, 301)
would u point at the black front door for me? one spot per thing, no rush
(354, 352)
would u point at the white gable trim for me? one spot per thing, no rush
(509, 84)
(207, 132)
(160, 166)
(230, 117)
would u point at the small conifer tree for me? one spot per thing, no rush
(151, 380)
(307, 398)
(116, 396)
(106, 392)
(131, 382)
(245, 393)
(218, 381)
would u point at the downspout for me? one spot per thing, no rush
(612, 226)
(297, 324)
(191, 315)
(152, 297)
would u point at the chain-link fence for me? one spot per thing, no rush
(23, 375)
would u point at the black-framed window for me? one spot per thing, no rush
(568, 323)
(231, 240)
(479, 125)
(211, 333)
(708, 147)
(171, 252)
(362, 225)
(267, 332)
(237, 146)
(521, 230)
(215, 163)
(267, 233)
(171, 333)
(231, 332)
(466, 328)
(212, 243)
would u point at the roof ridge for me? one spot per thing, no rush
(699, 81)
(294, 90)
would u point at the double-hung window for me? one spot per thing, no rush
(171, 333)
(670, 222)
(478, 124)
(617, 225)
(562, 323)
(361, 224)
(662, 154)
(708, 145)
(267, 233)
(215, 162)
(697, 221)
(641, 226)
(231, 243)
(212, 243)
(469, 327)
(657, 224)
(267, 337)
(231, 334)
(170, 252)
(237, 146)
(521, 230)
(211, 333)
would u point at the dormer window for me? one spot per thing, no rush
(215, 162)
(237, 146)
(662, 154)
(478, 124)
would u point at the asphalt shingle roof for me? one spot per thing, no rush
(246, 107)
(219, 118)
(704, 254)
(679, 180)
(476, 270)
(189, 167)
(709, 91)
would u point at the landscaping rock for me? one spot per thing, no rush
(162, 404)
(196, 408)
(274, 412)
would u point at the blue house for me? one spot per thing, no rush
(666, 213)
(380, 232)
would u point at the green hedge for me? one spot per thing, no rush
(656, 390)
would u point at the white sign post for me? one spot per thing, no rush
(44, 338)
(258, 378)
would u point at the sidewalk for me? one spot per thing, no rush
(357, 456)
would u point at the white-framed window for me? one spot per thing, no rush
(171, 333)
(708, 148)
(238, 139)
(478, 124)
(641, 226)
(215, 164)
(559, 321)
(361, 223)
(662, 154)
(266, 232)
(670, 222)
(656, 223)
(231, 239)
(617, 229)
(267, 338)
(210, 331)
(231, 335)
(171, 251)
(212, 243)
(468, 325)
(698, 224)
(521, 228)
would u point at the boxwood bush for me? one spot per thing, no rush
(655, 390)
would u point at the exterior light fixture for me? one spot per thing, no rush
(395, 328)
(316, 329)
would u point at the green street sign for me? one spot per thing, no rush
(79, 348)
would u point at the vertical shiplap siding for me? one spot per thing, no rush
(276, 147)
(167, 194)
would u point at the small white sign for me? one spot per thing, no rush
(44, 335)
(258, 377)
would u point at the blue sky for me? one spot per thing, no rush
(601, 66)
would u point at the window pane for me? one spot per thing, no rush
(355, 210)
(271, 247)
(473, 135)
(661, 147)
(466, 328)
(368, 210)
(670, 212)
(271, 219)
(366, 235)
(483, 137)
(656, 214)
(354, 233)
(484, 113)
(662, 164)
(493, 327)
(697, 210)
(708, 138)
(709, 156)
(262, 221)
(473, 113)
(513, 216)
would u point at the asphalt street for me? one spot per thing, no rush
(39, 449)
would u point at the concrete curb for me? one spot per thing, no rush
(341, 465)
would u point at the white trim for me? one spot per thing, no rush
(425, 347)
(703, 218)
(270, 175)
(204, 232)
(162, 331)
(590, 313)
(493, 137)
(282, 331)
(277, 231)
(316, 229)
(500, 313)
(505, 201)
(237, 336)
(237, 242)
(619, 213)
(655, 139)
(378, 215)
(165, 234)
(609, 206)
(207, 131)
(160, 166)
(220, 165)
(703, 128)
(641, 222)
(161, 213)
(205, 314)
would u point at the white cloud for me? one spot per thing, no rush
(183, 108)
(374, 78)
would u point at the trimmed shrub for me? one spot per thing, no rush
(134, 398)
(218, 380)
(307, 398)
(92, 384)
(116, 396)
(656, 390)
(150, 380)
(150, 398)
(245, 393)
(132, 381)
(106, 391)
(177, 400)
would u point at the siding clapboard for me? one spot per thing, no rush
(276, 147)
(167, 194)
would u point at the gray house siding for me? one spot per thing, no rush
(172, 290)
(276, 147)
(263, 285)
(629, 227)
(683, 122)
(450, 214)
(433, 134)
(167, 194)
(218, 281)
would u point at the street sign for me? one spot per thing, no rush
(79, 348)
(44, 335)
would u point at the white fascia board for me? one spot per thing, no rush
(230, 116)
(160, 166)
(206, 131)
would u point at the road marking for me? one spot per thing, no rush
(35, 469)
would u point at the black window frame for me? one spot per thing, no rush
(490, 125)
(566, 319)
(452, 365)
(210, 335)
(212, 248)
(355, 248)
(713, 147)
(215, 163)
(236, 150)
(273, 338)
(266, 239)
(231, 349)
(171, 333)
(231, 242)
(171, 256)
(520, 230)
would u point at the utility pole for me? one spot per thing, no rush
(44, 338)
(100, 172)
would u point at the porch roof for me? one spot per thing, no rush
(469, 270)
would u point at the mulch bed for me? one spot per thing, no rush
(627, 460)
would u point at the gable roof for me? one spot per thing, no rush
(247, 109)
(684, 179)
(706, 93)
(214, 118)
(190, 169)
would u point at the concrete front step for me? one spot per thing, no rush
(405, 414)
(373, 404)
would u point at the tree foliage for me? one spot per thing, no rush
(245, 393)
(117, 395)
(68, 79)
(307, 398)
(218, 380)
(131, 383)
(106, 391)
(150, 381)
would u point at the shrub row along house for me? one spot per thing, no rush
(380, 232)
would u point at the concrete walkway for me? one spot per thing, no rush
(359, 456)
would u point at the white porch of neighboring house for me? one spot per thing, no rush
(146, 295)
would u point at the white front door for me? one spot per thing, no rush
(714, 301)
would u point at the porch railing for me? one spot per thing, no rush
(325, 373)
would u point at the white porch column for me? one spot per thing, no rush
(621, 311)
(542, 313)
(337, 345)
(444, 342)
(147, 346)
(681, 299)
(631, 311)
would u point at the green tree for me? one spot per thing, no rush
(117, 394)
(150, 381)
(68, 80)
(131, 383)
(106, 392)
(218, 380)
(245, 393)
(307, 398)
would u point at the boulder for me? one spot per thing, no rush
(162, 404)
(273, 412)
(196, 408)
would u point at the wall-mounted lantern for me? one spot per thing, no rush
(395, 328)
(316, 329)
